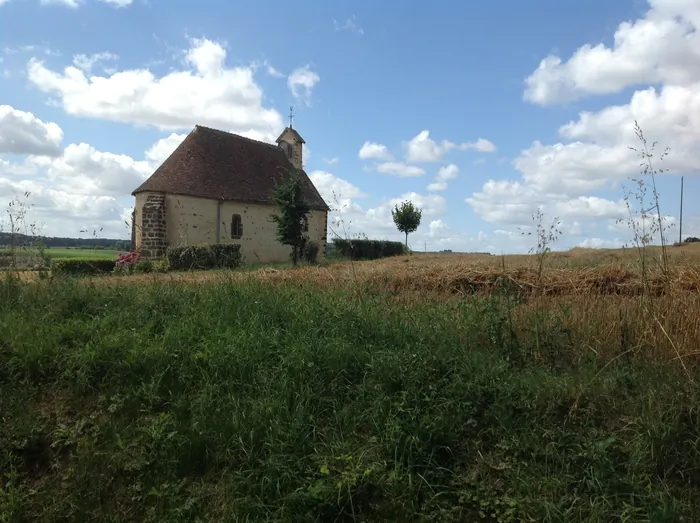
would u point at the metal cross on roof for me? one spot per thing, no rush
(291, 115)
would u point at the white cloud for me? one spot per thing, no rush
(66, 3)
(350, 24)
(594, 153)
(301, 82)
(74, 4)
(87, 62)
(600, 243)
(83, 170)
(163, 148)
(661, 47)
(23, 133)
(3, 2)
(422, 148)
(337, 193)
(331, 161)
(399, 169)
(438, 229)
(209, 94)
(482, 145)
(444, 175)
(118, 3)
(269, 69)
(376, 151)
(59, 213)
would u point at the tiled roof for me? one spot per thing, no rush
(215, 164)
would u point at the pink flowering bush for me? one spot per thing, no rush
(126, 263)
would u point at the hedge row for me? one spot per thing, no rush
(82, 266)
(368, 249)
(201, 257)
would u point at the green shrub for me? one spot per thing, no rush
(144, 265)
(368, 249)
(310, 253)
(227, 255)
(82, 266)
(160, 266)
(202, 257)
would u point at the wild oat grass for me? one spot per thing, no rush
(298, 396)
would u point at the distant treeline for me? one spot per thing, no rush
(76, 243)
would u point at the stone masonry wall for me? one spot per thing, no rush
(324, 237)
(153, 228)
(133, 230)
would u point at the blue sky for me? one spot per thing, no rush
(479, 112)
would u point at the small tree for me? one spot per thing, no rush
(294, 209)
(407, 218)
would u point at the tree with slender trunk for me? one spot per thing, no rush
(407, 218)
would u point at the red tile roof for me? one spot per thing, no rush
(215, 164)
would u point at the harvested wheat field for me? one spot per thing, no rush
(593, 296)
(576, 272)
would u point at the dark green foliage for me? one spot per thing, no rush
(294, 209)
(82, 266)
(144, 266)
(77, 243)
(311, 249)
(406, 218)
(691, 239)
(368, 249)
(203, 257)
(227, 255)
(245, 402)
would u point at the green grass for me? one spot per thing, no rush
(58, 253)
(61, 252)
(244, 402)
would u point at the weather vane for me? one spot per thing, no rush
(291, 115)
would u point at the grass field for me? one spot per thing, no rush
(437, 388)
(30, 257)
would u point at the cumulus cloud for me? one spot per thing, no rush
(87, 62)
(399, 169)
(208, 93)
(337, 193)
(661, 47)
(593, 155)
(422, 148)
(23, 133)
(74, 4)
(163, 148)
(83, 170)
(482, 145)
(302, 82)
(374, 151)
(443, 176)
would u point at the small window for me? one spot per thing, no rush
(305, 224)
(236, 226)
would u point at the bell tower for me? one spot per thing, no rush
(291, 142)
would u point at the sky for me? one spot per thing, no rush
(478, 112)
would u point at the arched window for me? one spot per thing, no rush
(236, 226)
